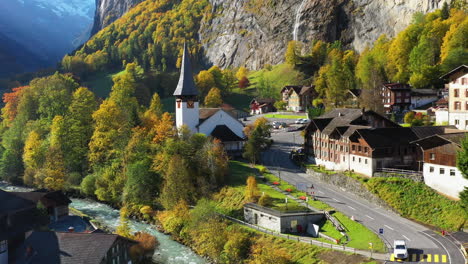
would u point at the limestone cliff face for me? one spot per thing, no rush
(107, 11)
(242, 33)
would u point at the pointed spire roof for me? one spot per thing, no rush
(186, 85)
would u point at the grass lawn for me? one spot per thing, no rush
(101, 83)
(419, 202)
(285, 116)
(405, 125)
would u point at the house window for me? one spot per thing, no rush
(359, 160)
(407, 100)
(457, 122)
(432, 156)
(359, 148)
(344, 159)
(466, 122)
(431, 169)
(457, 105)
(365, 161)
(353, 147)
(452, 172)
(442, 171)
(353, 159)
(466, 105)
(398, 94)
(466, 92)
(398, 100)
(366, 149)
(455, 93)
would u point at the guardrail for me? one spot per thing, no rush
(400, 171)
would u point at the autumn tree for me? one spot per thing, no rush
(123, 229)
(251, 190)
(244, 83)
(163, 129)
(241, 73)
(177, 183)
(205, 81)
(213, 99)
(292, 53)
(264, 251)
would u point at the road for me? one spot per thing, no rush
(424, 244)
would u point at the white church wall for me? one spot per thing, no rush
(187, 116)
(221, 118)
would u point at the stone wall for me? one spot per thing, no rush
(414, 177)
(349, 185)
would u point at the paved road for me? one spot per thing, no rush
(422, 242)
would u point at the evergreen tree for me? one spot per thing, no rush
(177, 183)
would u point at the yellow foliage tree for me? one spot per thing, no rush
(241, 73)
(213, 99)
(251, 191)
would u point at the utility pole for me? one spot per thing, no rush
(279, 174)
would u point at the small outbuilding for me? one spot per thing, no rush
(282, 222)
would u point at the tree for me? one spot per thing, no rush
(244, 82)
(409, 117)
(34, 152)
(163, 129)
(264, 251)
(145, 248)
(292, 53)
(205, 81)
(281, 105)
(241, 73)
(177, 184)
(213, 99)
(236, 248)
(319, 53)
(156, 106)
(123, 95)
(124, 228)
(251, 190)
(217, 76)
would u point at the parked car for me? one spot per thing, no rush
(278, 125)
(302, 121)
(399, 249)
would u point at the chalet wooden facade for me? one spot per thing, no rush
(439, 154)
(363, 141)
(299, 97)
(262, 105)
(396, 97)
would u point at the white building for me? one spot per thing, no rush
(422, 97)
(458, 96)
(215, 122)
(439, 157)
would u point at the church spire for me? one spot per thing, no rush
(186, 85)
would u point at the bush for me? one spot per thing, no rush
(280, 105)
(265, 200)
(88, 185)
(74, 178)
(409, 117)
(145, 248)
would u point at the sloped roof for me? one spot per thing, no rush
(462, 67)
(186, 85)
(225, 134)
(67, 248)
(263, 100)
(439, 140)
(397, 86)
(387, 137)
(423, 92)
(11, 203)
(56, 197)
(425, 131)
(205, 113)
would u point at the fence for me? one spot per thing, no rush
(311, 241)
(400, 173)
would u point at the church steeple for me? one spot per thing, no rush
(186, 85)
(187, 111)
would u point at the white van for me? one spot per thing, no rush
(400, 251)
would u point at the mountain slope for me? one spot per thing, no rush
(256, 32)
(47, 28)
(14, 58)
(107, 11)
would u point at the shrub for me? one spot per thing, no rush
(145, 248)
(265, 200)
(88, 185)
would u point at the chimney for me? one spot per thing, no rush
(71, 229)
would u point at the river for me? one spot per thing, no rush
(169, 251)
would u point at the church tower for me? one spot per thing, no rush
(187, 109)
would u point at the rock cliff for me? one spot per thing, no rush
(256, 32)
(107, 11)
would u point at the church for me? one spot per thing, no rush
(215, 122)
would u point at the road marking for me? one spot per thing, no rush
(429, 258)
(406, 238)
(351, 208)
(389, 227)
(370, 217)
(444, 258)
(320, 192)
(436, 258)
(336, 200)
(392, 257)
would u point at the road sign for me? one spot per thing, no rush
(381, 231)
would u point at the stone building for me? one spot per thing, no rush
(282, 222)
(458, 96)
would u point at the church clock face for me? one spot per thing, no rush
(190, 104)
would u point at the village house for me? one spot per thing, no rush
(423, 98)
(282, 222)
(439, 163)
(47, 247)
(363, 141)
(261, 106)
(299, 97)
(17, 216)
(396, 97)
(205, 120)
(56, 203)
(458, 97)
